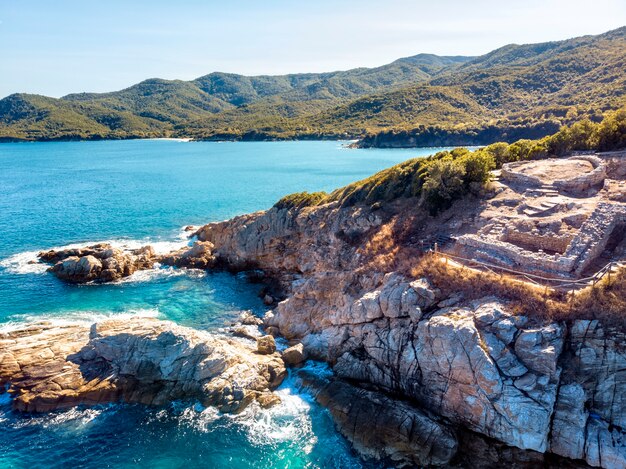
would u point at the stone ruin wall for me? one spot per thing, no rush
(576, 184)
(615, 164)
(509, 173)
(583, 249)
(550, 243)
(504, 253)
(585, 181)
(595, 234)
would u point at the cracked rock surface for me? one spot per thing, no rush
(545, 387)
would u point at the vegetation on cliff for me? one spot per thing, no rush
(517, 91)
(447, 176)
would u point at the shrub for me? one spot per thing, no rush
(610, 134)
(477, 167)
(299, 200)
(444, 183)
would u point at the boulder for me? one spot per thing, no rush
(266, 345)
(294, 355)
(198, 256)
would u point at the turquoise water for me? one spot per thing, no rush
(139, 192)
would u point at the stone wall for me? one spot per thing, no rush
(509, 173)
(584, 248)
(515, 257)
(550, 243)
(595, 233)
(585, 181)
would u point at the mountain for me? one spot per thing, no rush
(530, 84)
(157, 107)
(516, 91)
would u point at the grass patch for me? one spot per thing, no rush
(606, 301)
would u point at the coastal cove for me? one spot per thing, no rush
(139, 192)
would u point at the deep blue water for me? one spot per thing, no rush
(139, 192)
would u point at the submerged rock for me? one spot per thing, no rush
(49, 366)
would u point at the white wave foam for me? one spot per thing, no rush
(73, 317)
(24, 263)
(28, 263)
(288, 421)
(73, 420)
(150, 275)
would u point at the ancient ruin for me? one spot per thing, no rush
(561, 218)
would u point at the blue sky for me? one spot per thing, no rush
(58, 47)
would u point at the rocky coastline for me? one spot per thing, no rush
(436, 375)
(546, 387)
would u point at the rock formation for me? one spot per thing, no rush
(50, 366)
(198, 256)
(541, 386)
(382, 428)
(97, 263)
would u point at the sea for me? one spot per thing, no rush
(138, 192)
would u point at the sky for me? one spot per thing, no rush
(62, 46)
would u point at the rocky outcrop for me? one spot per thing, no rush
(290, 241)
(49, 366)
(97, 263)
(590, 416)
(478, 366)
(530, 385)
(382, 428)
(198, 256)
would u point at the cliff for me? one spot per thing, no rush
(476, 365)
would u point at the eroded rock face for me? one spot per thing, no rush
(281, 240)
(50, 366)
(590, 416)
(480, 366)
(97, 263)
(532, 386)
(382, 428)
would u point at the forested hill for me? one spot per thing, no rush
(158, 107)
(513, 92)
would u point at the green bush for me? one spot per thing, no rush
(300, 200)
(445, 182)
(610, 134)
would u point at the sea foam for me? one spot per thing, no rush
(76, 317)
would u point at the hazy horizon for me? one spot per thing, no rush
(70, 47)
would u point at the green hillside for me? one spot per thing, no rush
(517, 91)
(158, 107)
